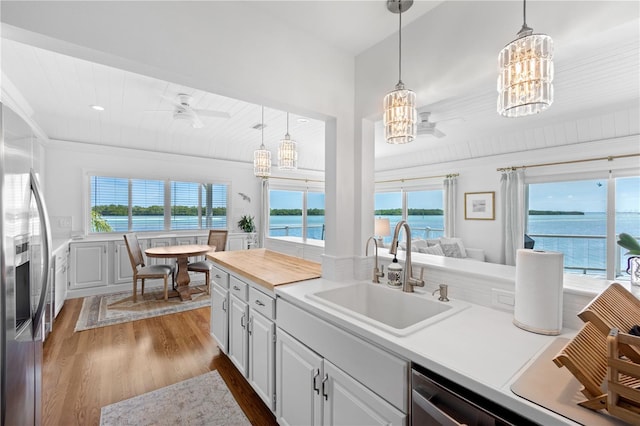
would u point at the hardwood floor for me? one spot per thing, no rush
(87, 370)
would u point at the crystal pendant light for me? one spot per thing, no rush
(287, 152)
(400, 115)
(525, 73)
(262, 157)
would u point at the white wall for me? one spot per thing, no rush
(68, 165)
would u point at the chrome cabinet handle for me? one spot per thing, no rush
(242, 321)
(259, 303)
(250, 326)
(315, 376)
(218, 276)
(324, 387)
(224, 305)
(236, 288)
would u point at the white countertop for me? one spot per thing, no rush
(478, 348)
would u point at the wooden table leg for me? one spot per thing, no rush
(182, 279)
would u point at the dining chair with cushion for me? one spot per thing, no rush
(142, 271)
(218, 239)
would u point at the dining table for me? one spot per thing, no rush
(181, 253)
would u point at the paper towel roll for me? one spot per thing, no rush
(538, 300)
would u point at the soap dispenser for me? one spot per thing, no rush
(394, 273)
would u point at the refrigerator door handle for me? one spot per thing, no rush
(46, 243)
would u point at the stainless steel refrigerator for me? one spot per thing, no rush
(25, 245)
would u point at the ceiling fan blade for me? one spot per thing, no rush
(211, 113)
(438, 134)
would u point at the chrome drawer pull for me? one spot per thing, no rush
(236, 288)
(259, 303)
(218, 276)
(324, 385)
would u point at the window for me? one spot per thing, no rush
(571, 217)
(285, 213)
(122, 205)
(423, 213)
(315, 216)
(296, 214)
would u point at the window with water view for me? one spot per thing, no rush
(424, 212)
(571, 217)
(123, 205)
(296, 214)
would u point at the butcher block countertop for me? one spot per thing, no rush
(267, 268)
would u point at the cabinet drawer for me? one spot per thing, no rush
(237, 287)
(220, 277)
(262, 303)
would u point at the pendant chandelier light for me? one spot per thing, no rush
(287, 152)
(525, 73)
(400, 115)
(262, 156)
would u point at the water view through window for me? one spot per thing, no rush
(288, 214)
(570, 217)
(123, 205)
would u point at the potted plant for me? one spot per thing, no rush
(633, 264)
(246, 223)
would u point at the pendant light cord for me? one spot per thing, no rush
(400, 42)
(524, 13)
(287, 123)
(262, 130)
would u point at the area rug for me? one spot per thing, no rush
(117, 308)
(202, 400)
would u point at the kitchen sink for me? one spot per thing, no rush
(389, 309)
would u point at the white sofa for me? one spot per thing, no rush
(449, 247)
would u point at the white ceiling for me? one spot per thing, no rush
(594, 72)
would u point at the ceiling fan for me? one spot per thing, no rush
(426, 127)
(183, 111)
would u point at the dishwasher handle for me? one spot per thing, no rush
(431, 411)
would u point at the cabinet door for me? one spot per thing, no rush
(60, 281)
(261, 356)
(220, 316)
(88, 265)
(238, 336)
(122, 271)
(298, 382)
(236, 242)
(347, 402)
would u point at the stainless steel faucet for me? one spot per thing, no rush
(377, 274)
(408, 281)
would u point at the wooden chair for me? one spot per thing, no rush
(623, 396)
(142, 271)
(218, 239)
(617, 308)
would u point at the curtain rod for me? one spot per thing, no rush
(419, 178)
(297, 179)
(557, 163)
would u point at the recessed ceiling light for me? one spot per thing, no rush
(302, 120)
(97, 107)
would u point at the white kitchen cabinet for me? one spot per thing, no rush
(122, 272)
(262, 356)
(298, 381)
(313, 391)
(61, 278)
(220, 307)
(88, 264)
(238, 336)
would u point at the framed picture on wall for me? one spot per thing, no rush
(479, 206)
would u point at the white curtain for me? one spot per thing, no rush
(450, 185)
(264, 213)
(512, 189)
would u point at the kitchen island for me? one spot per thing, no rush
(312, 363)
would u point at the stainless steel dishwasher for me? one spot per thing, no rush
(438, 401)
